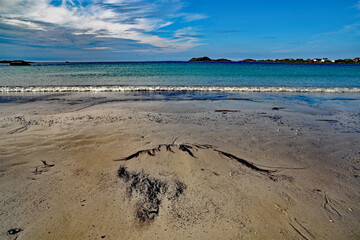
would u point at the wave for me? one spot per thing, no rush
(273, 89)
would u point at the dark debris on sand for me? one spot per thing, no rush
(189, 148)
(14, 231)
(150, 191)
(39, 170)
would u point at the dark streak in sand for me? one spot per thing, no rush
(326, 120)
(226, 111)
(278, 108)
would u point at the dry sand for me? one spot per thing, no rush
(186, 170)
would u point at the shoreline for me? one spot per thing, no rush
(309, 150)
(177, 89)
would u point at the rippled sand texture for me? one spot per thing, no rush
(78, 167)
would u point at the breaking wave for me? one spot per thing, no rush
(272, 89)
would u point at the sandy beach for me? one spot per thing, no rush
(87, 166)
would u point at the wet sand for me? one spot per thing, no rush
(75, 166)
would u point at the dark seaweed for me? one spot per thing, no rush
(186, 148)
(152, 152)
(244, 162)
(326, 120)
(150, 190)
(47, 164)
(14, 231)
(180, 188)
(277, 108)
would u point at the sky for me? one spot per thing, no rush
(160, 30)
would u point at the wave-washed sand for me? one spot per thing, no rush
(74, 166)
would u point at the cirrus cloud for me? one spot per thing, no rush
(135, 21)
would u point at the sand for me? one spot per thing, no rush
(75, 166)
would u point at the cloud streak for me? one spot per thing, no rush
(131, 20)
(351, 28)
(98, 48)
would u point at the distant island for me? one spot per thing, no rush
(207, 59)
(284, 60)
(16, 62)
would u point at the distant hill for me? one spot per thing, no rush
(207, 59)
(284, 60)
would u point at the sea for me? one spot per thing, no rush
(186, 80)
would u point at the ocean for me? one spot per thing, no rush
(181, 77)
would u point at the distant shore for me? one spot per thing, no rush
(16, 62)
(199, 59)
(284, 60)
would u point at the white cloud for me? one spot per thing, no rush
(194, 17)
(20, 23)
(188, 32)
(98, 48)
(190, 17)
(134, 20)
(352, 28)
(136, 51)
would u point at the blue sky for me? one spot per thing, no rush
(135, 30)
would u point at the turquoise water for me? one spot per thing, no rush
(181, 76)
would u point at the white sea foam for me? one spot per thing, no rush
(274, 89)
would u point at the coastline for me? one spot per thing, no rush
(176, 89)
(224, 61)
(309, 188)
(284, 60)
